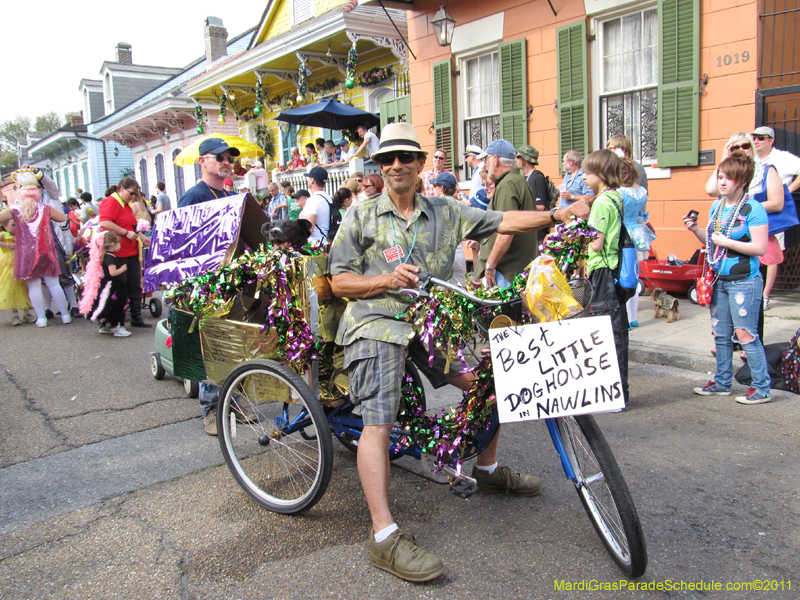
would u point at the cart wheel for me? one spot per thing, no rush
(692, 293)
(155, 310)
(352, 443)
(192, 388)
(640, 288)
(274, 436)
(156, 368)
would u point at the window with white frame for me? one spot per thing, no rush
(481, 98)
(628, 72)
(302, 10)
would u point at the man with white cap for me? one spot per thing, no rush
(474, 156)
(787, 164)
(381, 247)
(788, 167)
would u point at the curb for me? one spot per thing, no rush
(656, 354)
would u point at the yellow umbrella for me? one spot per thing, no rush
(191, 153)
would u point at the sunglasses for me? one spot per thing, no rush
(222, 157)
(438, 157)
(746, 146)
(387, 160)
(488, 185)
(760, 138)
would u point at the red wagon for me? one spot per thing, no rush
(672, 275)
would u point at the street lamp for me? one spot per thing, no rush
(443, 26)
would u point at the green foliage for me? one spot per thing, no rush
(49, 122)
(8, 158)
(264, 140)
(14, 131)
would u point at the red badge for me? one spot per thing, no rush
(394, 253)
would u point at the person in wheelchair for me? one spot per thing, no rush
(381, 247)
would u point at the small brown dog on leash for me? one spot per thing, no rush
(666, 305)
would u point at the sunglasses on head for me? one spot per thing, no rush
(387, 160)
(745, 146)
(760, 138)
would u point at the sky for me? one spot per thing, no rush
(64, 42)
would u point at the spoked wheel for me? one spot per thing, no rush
(604, 493)
(274, 436)
(351, 443)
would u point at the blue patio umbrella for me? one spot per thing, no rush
(329, 114)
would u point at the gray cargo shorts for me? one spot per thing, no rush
(376, 370)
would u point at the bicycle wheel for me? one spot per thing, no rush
(351, 443)
(604, 493)
(274, 436)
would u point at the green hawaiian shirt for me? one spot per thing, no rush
(431, 235)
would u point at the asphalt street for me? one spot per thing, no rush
(109, 488)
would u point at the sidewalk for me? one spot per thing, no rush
(687, 343)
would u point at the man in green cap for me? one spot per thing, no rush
(527, 160)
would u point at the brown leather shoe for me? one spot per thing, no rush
(400, 555)
(210, 422)
(505, 480)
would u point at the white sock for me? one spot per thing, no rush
(488, 469)
(385, 533)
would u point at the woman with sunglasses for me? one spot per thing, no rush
(117, 215)
(373, 185)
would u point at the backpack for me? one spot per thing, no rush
(552, 195)
(551, 201)
(626, 275)
(334, 218)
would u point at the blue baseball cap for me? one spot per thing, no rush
(501, 148)
(444, 178)
(216, 146)
(317, 174)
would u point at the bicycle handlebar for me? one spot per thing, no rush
(426, 280)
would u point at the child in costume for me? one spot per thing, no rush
(13, 293)
(602, 173)
(35, 254)
(104, 296)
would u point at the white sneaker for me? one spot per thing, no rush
(41, 322)
(105, 329)
(30, 318)
(120, 331)
(66, 319)
(15, 320)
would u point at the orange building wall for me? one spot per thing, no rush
(726, 106)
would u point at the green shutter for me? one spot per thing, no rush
(678, 90)
(396, 110)
(443, 109)
(513, 92)
(573, 96)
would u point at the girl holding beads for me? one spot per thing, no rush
(34, 250)
(13, 293)
(736, 236)
(602, 173)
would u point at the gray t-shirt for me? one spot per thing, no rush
(162, 200)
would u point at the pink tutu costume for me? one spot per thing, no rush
(35, 254)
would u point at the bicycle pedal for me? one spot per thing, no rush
(463, 486)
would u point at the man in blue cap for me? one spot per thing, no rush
(502, 256)
(215, 161)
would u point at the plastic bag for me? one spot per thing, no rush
(642, 235)
(548, 295)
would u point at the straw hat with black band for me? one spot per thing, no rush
(399, 137)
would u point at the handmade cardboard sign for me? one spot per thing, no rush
(555, 369)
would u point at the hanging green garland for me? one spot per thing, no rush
(302, 83)
(223, 102)
(198, 116)
(257, 110)
(352, 61)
